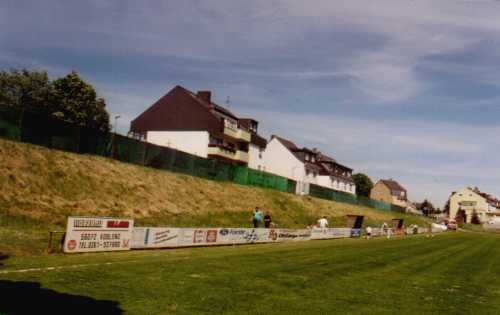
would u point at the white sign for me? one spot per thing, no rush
(329, 233)
(294, 235)
(155, 237)
(94, 234)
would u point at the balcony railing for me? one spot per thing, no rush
(230, 154)
(235, 132)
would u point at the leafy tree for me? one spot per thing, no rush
(446, 208)
(475, 217)
(460, 216)
(69, 98)
(427, 207)
(76, 102)
(363, 184)
(25, 90)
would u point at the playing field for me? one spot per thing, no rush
(454, 273)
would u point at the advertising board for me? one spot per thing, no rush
(95, 234)
(155, 237)
(293, 235)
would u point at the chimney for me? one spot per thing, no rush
(205, 96)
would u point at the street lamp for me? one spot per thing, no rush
(116, 119)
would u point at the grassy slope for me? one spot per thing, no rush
(455, 273)
(41, 187)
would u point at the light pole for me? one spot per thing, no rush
(116, 120)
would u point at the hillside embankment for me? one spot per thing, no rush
(40, 187)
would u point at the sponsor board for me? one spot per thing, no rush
(155, 237)
(194, 237)
(232, 235)
(293, 235)
(329, 233)
(243, 236)
(355, 232)
(376, 231)
(94, 234)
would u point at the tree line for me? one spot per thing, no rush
(68, 98)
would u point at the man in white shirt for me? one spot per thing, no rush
(323, 223)
(368, 232)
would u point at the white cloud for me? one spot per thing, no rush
(424, 154)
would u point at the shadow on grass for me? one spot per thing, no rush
(3, 257)
(45, 301)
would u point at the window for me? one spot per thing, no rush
(230, 124)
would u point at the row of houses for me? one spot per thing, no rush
(193, 123)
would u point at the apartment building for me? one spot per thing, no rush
(193, 123)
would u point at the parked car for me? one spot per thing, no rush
(452, 225)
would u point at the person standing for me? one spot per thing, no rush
(385, 229)
(323, 223)
(368, 232)
(267, 220)
(257, 217)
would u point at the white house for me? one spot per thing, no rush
(256, 146)
(334, 175)
(305, 166)
(192, 123)
(467, 201)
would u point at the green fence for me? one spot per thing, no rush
(329, 194)
(54, 133)
(246, 176)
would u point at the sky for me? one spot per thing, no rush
(398, 89)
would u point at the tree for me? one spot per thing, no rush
(25, 90)
(76, 102)
(427, 207)
(446, 208)
(363, 184)
(475, 217)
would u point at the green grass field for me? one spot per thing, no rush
(451, 273)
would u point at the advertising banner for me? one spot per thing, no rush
(422, 230)
(293, 235)
(329, 233)
(232, 235)
(355, 232)
(196, 237)
(376, 231)
(155, 237)
(94, 234)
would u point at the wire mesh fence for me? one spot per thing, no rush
(54, 133)
(326, 193)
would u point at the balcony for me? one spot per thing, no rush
(230, 154)
(233, 131)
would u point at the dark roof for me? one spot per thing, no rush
(326, 158)
(210, 105)
(321, 158)
(392, 185)
(246, 121)
(493, 201)
(179, 109)
(312, 166)
(258, 140)
(287, 143)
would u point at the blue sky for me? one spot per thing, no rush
(394, 88)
